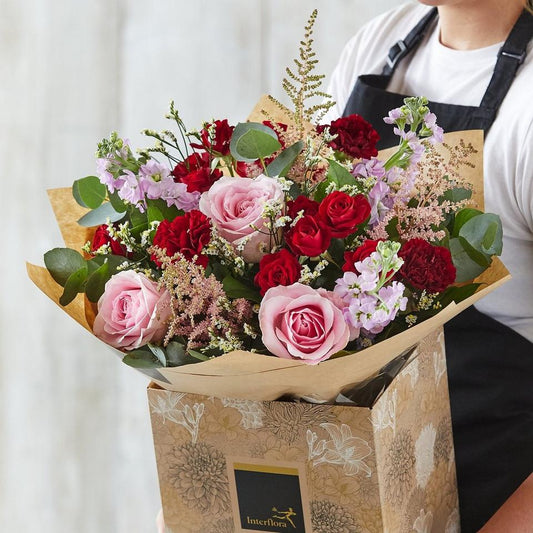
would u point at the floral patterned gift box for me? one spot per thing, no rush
(230, 465)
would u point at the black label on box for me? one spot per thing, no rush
(269, 498)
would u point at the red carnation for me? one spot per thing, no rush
(302, 203)
(101, 237)
(362, 252)
(343, 213)
(426, 266)
(280, 268)
(196, 172)
(219, 139)
(308, 237)
(355, 136)
(186, 234)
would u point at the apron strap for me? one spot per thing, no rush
(403, 47)
(510, 57)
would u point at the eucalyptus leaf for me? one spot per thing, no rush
(237, 289)
(457, 194)
(95, 285)
(484, 233)
(74, 285)
(462, 217)
(118, 204)
(159, 210)
(197, 355)
(339, 174)
(142, 358)
(89, 192)
(62, 262)
(467, 268)
(251, 141)
(159, 353)
(177, 356)
(284, 161)
(100, 215)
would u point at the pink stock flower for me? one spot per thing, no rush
(298, 322)
(236, 205)
(132, 311)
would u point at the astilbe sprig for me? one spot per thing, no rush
(201, 310)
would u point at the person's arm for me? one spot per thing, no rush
(516, 514)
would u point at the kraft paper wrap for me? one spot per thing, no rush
(251, 376)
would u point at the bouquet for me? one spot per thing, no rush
(279, 244)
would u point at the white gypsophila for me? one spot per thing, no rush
(146, 234)
(284, 183)
(424, 455)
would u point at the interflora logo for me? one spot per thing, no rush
(279, 519)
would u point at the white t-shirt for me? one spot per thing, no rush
(461, 77)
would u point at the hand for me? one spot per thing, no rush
(160, 522)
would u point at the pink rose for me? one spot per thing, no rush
(235, 205)
(299, 322)
(131, 312)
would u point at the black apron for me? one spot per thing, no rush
(490, 366)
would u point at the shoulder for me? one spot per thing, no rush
(375, 38)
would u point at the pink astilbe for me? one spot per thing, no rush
(200, 307)
(423, 188)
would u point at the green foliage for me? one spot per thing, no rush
(284, 161)
(101, 215)
(251, 141)
(89, 192)
(237, 289)
(62, 262)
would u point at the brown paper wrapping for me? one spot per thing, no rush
(258, 377)
(390, 467)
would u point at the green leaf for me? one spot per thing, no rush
(159, 353)
(118, 204)
(457, 194)
(339, 174)
(96, 282)
(142, 358)
(100, 215)
(467, 268)
(284, 161)
(320, 191)
(392, 229)
(177, 356)
(484, 233)
(159, 210)
(462, 217)
(74, 285)
(458, 294)
(237, 289)
(62, 262)
(336, 250)
(138, 222)
(198, 355)
(251, 141)
(89, 192)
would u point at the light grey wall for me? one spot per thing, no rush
(75, 441)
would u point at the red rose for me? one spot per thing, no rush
(355, 136)
(308, 237)
(426, 266)
(187, 234)
(196, 172)
(360, 253)
(280, 268)
(101, 237)
(302, 203)
(342, 213)
(220, 139)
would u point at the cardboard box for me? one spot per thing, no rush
(230, 465)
